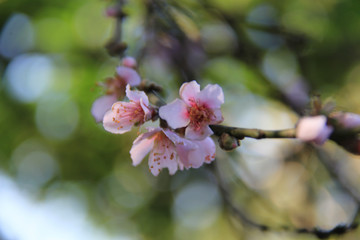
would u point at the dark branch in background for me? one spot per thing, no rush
(333, 168)
(226, 196)
(115, 46)
(252, 55)
(162, 25)
(340, 229)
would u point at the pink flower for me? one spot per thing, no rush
(169, 150)
(124, 115)
(346, 119)
(128, 75)
(196, 110)
(115, 88)
(313, 129)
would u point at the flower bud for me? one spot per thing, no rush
(129, 62)
(228, 142)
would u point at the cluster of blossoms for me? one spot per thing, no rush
(185, 141)
(183, 138)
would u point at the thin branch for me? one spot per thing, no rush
(115, 46)
(241, 133)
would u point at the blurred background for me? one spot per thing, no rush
(62, 176)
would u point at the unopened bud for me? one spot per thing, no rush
(228, 142)
(129, 62)
(111, 12)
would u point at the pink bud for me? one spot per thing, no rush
(111, 12)
(313, 129)
(129, 62)
(347, 119)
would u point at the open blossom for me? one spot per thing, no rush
(196, 110)
(115, 88)
(169, 150)
(124, 115)
(313, 129)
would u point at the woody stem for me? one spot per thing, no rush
(241, 133)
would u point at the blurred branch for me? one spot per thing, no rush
(168, 36)
(115, 46)
(334, 170)
(226, 195)
(340, 229)
(249, 53)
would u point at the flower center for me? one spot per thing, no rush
(130, 112)
(199, 114)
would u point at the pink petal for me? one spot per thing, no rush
(212, 96)
(217, 117)
(147, 112)
(137, 95)
(101, 106)
(175, 114)
(142, 146)
(177, 140)
(129, 75)
(209, 149)
(129, 62)
(111, 125)
(183, 154)
(163, 156)
(189, 91)
(198, 134)
(205, 152)
(313, 129)
(156, 166)
(324, 135)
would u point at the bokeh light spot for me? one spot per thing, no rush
(28, 76)
(57, 116)
(17, 36)
(197, 205)
(36, 168)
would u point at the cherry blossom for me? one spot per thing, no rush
(346, 119)
(115, 88)
(196, 110)
(313, 129)
(169, 150)
(124, 115)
